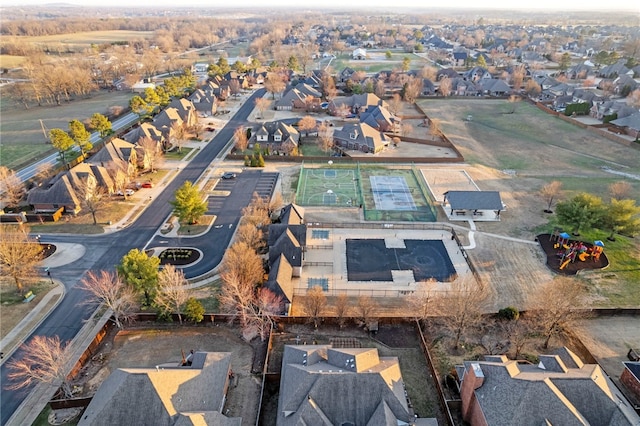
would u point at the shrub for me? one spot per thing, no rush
(509, 313)
(193, 310)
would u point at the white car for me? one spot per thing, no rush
(127, 192)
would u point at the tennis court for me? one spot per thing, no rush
(391, 193)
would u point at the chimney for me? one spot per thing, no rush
(472, 379)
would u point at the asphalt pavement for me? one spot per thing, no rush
(105, 251)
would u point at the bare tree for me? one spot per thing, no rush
(550, 192)
(44, 172)
(461, 308)
(152, 151)
(380, 88)
(519, 332)
(445, 87)
(265, 309)
(434, 128)
(11, 188)
(513, 101)
(555, 306)
(92, 197)
(172, 292)
(45, 361)
(306, 123)
(252, 235)
(19, 253)
(314, 303)
(241, 272)
(412, 89)
(620, 190)
(257, 212)
(395, 104)
(421, 302)
(108, 288)
(325, 136)
(178, 135)
(274, 83)
(532, 88)
(341, 305)
(262, 104)
(240, 139)
(365, 308)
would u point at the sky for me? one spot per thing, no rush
(617, 5)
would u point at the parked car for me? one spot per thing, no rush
(127, 192)
(228, 175)
(147, 185)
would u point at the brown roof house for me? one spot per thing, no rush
(117, 153)
(559, 390)
(360, 137)
(165, 396)
(145, 130)
(322, 385)
(204, 101)
(67, 189)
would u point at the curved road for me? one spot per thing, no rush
(106, 251)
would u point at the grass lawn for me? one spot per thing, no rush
(177, 155)
(113, 211)
(11, 61)
(13, 310)
(13, 156)
(198, 228)
(87, 38)
(312, 149)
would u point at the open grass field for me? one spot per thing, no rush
(86, 39)
(377, 61)
(21, 132)
(10, 61)
(518, 153)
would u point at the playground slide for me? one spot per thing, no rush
(565, 263)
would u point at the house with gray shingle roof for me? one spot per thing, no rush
(277, 135)
(117, 154)
(494, 87)
(356, 103)
(204, 101)
(560, 390)
(322, 385)
(165, 396)
(302, 96)
(380, 119)
(287, 240)
(630, 124)
(360, 137)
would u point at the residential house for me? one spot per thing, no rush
(302, 96)
(68, 188)
(186, 110)
(428, 88)
(494, 87)
(476, 74)
(356, 104)
(168, 395)
(323, 385)
(276, 135)
(459, 58)
(359, 54)
(288, 240)
(360, 137)
(204, 101)
(559, 390)
(280, 282)
(630, 124)
(462, 87)
(616, 70)
(624, 84)
(218, 87)
(119, 156)
(145, 130)
(580, 71)
(345, 74)
(380, 119)
(446, 73)
(602, 108)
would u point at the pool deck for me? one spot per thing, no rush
(326, 258)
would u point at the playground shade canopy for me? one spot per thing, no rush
(474, 200)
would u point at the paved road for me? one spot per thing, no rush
(31, 170)
(105, 251)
